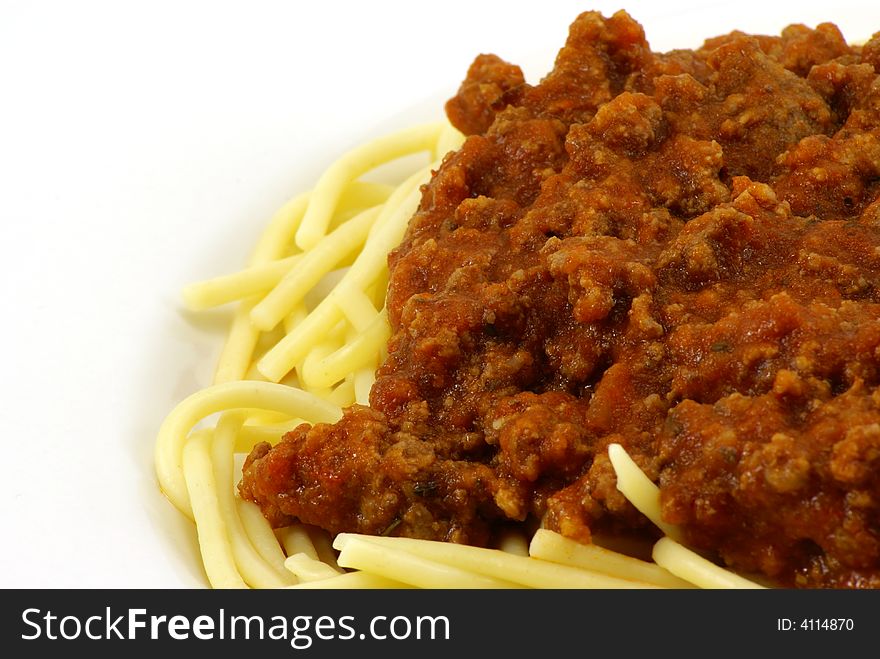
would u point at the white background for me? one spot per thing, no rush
(142, 146)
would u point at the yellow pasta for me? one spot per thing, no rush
(315, 263)
(638, 488)
(227, 396)
(363, 350)
(689, 565)
(396, 563)
(668, 552)
(323, 546)
(252, 567)
(491, 563)
(244, 283)
(239, 347)
(306, 568)
(276, 363)
(352, 580)
(352, 165)
(295, 539)
(262, 537)
(214, 543)
(514, 542)
(553, 547)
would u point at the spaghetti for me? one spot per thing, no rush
(289, 359)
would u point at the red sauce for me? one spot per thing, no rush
(677, 252)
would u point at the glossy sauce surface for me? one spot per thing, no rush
(677, 252)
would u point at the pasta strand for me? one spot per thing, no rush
(214, 544)
(231, 395)
(352, 165)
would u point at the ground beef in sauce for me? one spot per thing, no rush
(678, 252)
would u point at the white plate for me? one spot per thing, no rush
(144, 147)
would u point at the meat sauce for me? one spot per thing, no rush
(678, 252)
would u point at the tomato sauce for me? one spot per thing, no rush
(678, 252)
